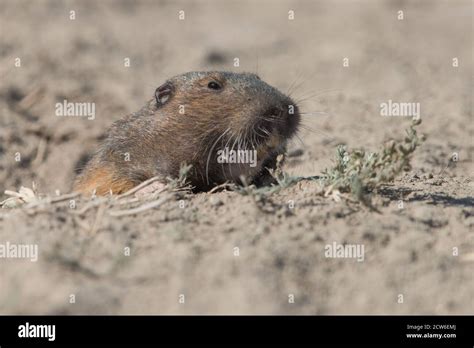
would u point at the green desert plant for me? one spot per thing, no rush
(359, 171)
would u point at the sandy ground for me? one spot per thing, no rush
(191, 251)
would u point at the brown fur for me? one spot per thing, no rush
(159, 139)
(101, 181)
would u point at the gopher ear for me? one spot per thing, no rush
(164, 93)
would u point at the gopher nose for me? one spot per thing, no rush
(288, 114)
(274, 112)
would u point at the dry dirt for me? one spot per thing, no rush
(191, 250)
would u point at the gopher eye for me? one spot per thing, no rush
(214, 85)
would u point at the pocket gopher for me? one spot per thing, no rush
(225, 125)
